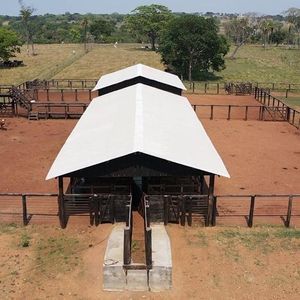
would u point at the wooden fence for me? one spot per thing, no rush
(227, 209)
(200, 87)
(289, 114)
(216, 88)
(59, 110)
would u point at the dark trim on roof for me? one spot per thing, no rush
(137, 164)
(143, 80)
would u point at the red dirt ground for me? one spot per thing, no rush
(261, 157)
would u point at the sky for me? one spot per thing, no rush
(11, 7)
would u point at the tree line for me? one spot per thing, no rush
(191, 45)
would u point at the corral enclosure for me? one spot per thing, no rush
(263, 158)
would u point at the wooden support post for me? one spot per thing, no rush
(286, 93)
(183, 211)
(61, 205)
(210, 199)
(205, 88)
(24, 206)
(193, 87)
(229, 112)
(246, 113)
(47, 95)
(76, 95)
(92, 211)
(62, 94)
(251, 212)
(214, 212)
(289, 212)
(269, 98)
(112, 209)
(90, 94)
(166, 210)
(218, 88)
(211, 112)
(190, 208)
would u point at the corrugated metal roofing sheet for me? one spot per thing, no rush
(139, 70)
(143, 119)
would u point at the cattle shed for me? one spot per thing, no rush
(134, 142)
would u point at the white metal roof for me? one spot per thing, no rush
(142, 119)
(139, 70)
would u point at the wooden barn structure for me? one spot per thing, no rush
(140, 139)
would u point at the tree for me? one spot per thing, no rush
(266, 26)
(148, 20)
(101, 28)
(190, 44)
(26, 13)
(239, 30)
(293, 17)
(9, 44)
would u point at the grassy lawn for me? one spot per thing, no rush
(253, 63)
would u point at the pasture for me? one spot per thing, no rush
(253, 63)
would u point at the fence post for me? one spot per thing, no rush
(251, 212)
(193, 87)
(287, 93)
(218, 88)
(76, 95)
(229, 112)
(246, 113)
(214, 212)
(205, 88)
(289, 212)
(211, 112)
(24, 206)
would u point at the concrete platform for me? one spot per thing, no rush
(159, 278)
(114, 278)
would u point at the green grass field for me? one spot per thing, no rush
(253, 63)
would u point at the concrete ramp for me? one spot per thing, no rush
(117, 278)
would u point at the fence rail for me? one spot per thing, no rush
(286, 112)
(26, 207)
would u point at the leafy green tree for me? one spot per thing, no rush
(190, 44)
(148, 20)
(101, 28)
(9, 44)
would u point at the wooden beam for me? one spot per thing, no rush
(210, 199)
(61, 206)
